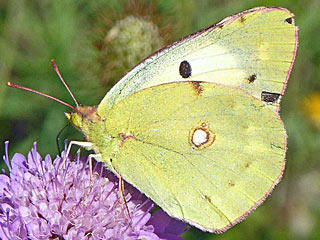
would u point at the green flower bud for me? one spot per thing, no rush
(127, 43)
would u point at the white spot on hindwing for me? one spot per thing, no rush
(200, 137)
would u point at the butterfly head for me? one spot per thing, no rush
(74, 118)
(79, 116)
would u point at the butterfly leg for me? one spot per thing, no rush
(86, 145)
(90, 157)
(121, 193)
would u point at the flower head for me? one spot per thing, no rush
(126, 44)
(41, 199)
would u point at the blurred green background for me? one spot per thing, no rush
(80, 36)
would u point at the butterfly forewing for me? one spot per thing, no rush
(253, 50)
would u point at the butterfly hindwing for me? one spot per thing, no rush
(208, 154)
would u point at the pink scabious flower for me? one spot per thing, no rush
(41, 199)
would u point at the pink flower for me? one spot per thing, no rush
(39, 202)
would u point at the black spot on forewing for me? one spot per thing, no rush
(252, 78)
(185, 69)
(289, 20)
(269, 96)
(242, 19)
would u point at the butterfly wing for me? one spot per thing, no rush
(253, 50)
(205, 153)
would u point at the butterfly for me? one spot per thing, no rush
(196, 126)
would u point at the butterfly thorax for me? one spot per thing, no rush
(87, 120)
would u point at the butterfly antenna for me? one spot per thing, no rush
(12, 85)
(55, 67)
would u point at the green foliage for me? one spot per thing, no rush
(34, 32)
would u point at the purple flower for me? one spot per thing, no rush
(39, 202)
